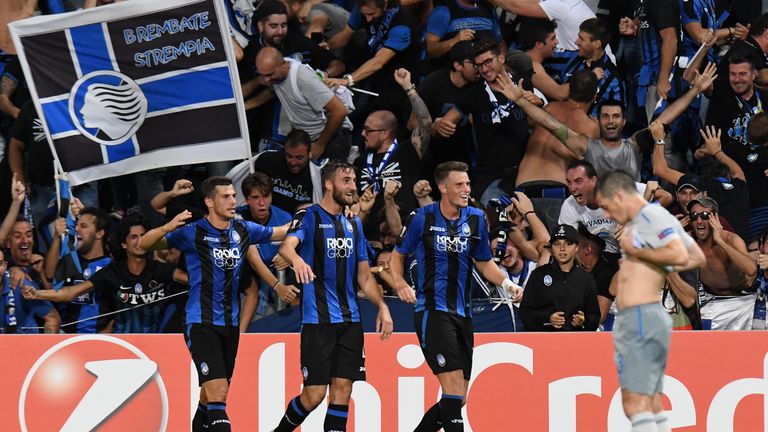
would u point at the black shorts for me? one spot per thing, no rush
(213, 350)
(332, 351)
(447, 341)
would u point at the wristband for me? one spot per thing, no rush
(525, 215)
(715, 155)
(507, 284)
(349, 79)
(275, 284)
(411, 88)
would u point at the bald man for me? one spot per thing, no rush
(307, 103)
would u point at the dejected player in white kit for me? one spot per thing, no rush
(653, 244)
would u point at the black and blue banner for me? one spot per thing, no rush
(135, 85)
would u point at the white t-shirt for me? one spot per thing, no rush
(568, 15)
(302, 98)
(571, 213)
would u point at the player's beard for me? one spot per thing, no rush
(340, 198)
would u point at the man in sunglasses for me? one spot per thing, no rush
(729, 270)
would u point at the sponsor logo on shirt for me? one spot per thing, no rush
(437, 228)
(325, 225)
(226, 259)
(451, 244)
(339, 247)
(211, 239)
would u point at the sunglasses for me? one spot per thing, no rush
(705, 215)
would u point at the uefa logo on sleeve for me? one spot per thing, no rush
(107, 107)
(93, 381)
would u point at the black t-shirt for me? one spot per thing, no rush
(119, 289)
(263, 120)
(289, 190)
(440, 95)
(731, 114)
(732, 197)
(501, 133)
(403, 165)
(754, 162)
(38, 158)
(603, 272)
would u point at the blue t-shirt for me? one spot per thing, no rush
(332, 245)
(84, 309)
(25, 311)
(214, 258)
(445, 250)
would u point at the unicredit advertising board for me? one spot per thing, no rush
(715, 382)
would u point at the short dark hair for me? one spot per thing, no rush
(588, 167)
(259, 181)
(609, 103)
(330, 169)
(742, 58)
(484, 45)
(611, 182)
(759, 25)
(267, 8)
(757, 130)
(534, 30)
(598, 30)
(383, 4)
(445, 168)
(208, 188)
(297, 137)
(101, 216)
(583, 86)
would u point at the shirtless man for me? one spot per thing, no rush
(653, 244)
(729, 270)
(542, 170)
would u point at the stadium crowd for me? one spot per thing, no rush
(537, 98)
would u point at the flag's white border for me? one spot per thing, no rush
(123, 10)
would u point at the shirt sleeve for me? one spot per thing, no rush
(556, 10)
(315, 92)
(299, 225)
(412, 234)
(663, 14)
(398, 38)
(658, 228)
(362, 244)
(568, 215)
(179, 238)
(439, 21)
(483, 250)
(689, 12)
(258, 233)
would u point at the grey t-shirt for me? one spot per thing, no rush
(654, 227)
(626, 156)
(337, 17)
(302, 96)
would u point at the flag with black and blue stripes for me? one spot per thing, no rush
(135, 85)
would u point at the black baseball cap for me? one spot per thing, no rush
(564, 232)
(689, 181)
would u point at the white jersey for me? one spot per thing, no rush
(568, 15)
(571, 213)
(654, 227)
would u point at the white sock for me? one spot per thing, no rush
(661, 423)
(644, 422)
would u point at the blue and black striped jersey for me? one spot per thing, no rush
(84, 309)
(445, 250)
(214, 258)
(332, 245)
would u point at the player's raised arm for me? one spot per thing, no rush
(154, 239)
